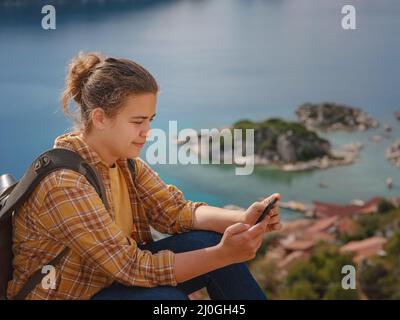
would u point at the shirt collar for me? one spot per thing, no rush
(73, 141)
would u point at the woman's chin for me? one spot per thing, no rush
(133, 154)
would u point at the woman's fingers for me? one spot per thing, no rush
(275, 210)
(274, 227)
(254, 212)
(274, 219)
(256, 230)
(268, 199)
(274, 222)
(237, 228)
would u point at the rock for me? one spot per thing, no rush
(397, 115)
(353, 146)
(285, 149)
(332, 116)
(393, 153)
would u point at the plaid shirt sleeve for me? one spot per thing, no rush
(168, 211)
(74, 214)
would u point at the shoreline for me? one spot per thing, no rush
(346, 155)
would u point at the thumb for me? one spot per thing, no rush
(254, 211)
(257, 229)
(271, 197)
(237, 228)
(256, 208)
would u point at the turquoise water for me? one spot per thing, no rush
(217, 62)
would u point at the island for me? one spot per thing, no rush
(285, 145)
(331, 116)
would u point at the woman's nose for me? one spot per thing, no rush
(146, 133)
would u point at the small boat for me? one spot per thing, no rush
(376, 138)
(387, 127)
(389, 183)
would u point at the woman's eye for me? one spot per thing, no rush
(140, 122)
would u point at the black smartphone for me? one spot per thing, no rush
(266, 210)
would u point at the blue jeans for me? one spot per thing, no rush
(232, 282)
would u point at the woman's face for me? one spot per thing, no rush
(126, 133)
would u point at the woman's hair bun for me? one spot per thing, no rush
(79, 72)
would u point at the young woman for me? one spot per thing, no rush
(112, 254)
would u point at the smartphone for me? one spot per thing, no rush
(266, 210)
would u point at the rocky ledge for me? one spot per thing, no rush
(332, 116)
(393, 153)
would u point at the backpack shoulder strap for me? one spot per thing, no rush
(37, 277)
(131, 166)
(47, 162)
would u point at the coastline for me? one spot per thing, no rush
(346, 155)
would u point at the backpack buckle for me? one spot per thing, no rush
(41, 163)
(45, 161)
(37, 166)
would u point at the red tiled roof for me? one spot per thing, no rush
(322, 224)
(364, 248)
(319, 236)
(323, 209)
(347, 225)
(295, 226)
(298, 244)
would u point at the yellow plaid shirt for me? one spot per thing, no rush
(65, 211)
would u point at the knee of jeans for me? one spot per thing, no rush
(206, 238)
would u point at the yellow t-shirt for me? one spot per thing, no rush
(121, 201)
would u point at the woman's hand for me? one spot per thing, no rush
(272, 221)
(240, 242)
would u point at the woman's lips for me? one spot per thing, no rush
(139, 145)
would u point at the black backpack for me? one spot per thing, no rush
(13, 193)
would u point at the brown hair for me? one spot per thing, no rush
(96, 81)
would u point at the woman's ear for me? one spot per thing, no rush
(99, 119)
